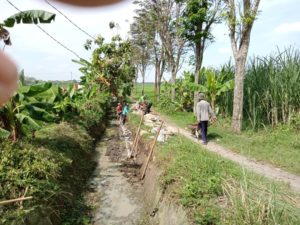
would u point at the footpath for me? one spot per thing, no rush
(264, 169)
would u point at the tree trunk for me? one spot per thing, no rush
(239, 33)
(161, 73)
(199, 57)
(158, 91)
(135, 80)
(173, 80)
(238, 98)
(157, 73)
(143, 85)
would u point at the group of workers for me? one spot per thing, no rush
(122, 112)
(203, 112)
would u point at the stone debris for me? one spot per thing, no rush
(154, 121)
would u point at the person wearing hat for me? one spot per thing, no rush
(203, 111)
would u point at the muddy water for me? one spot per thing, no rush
(116, 200)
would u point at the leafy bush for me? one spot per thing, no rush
(93, 110)
(53, 166)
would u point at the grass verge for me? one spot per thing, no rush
(279, 146)
(217, 191)
(54, 168)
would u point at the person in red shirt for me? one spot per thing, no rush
(119, 110)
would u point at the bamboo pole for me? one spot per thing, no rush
(137, 136)
(135, 150)
(15, 200)
(151, 151)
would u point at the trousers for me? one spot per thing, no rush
(203, 127)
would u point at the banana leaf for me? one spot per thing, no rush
(37, 113)
(4, 133)
(37, 89)
(30, 17)
(24, 119)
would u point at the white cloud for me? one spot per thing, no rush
(288, 27)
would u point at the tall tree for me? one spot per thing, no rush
(169, 26)
(145, 29)
(142, 39)
(240, 19)
(198, 19)
(160, 65)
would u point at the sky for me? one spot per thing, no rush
(277, 26)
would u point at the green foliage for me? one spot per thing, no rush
(214, 84)
(53, 167)
(111, 67)
(184, 99)
(94, 110)
(64, 102)
(23, 110)
(56, 162)
(271, 90)
(29, 16)
(198, 17)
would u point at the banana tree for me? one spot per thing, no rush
(24, 110)
(111, 67)
(65, 102)
(214, 84)
(26, 17)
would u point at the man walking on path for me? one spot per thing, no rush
(203, 111)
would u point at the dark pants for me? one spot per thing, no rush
(124, 118)
(203, 127)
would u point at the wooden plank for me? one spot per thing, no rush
(151, 151)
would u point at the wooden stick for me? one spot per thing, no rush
(136, 136)
(15, 200)
(151, 151)
(136, 150)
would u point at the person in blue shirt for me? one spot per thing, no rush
(125, 113)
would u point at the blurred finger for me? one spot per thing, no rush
(8, 78)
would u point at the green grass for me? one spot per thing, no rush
(54, 166)
(280, 146)
(149, 91)
(217, 191)
(182, 119)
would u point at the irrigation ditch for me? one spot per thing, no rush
(119, 191)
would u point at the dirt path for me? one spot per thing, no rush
(116, 200)
(265, 169)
